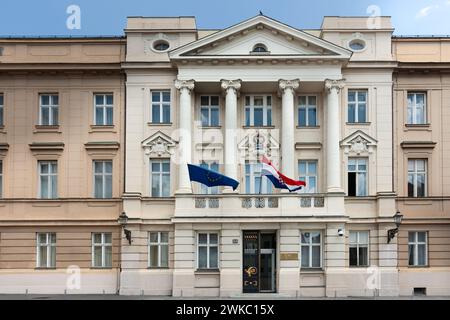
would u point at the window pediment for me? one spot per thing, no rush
(359, 143)
(159, 144)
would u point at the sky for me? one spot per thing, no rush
(108, 17)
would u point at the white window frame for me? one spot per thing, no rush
(49, 246)
(105, 107)
(308, 176)
(103, 175)
(161, 105)
(2, 109)
(208, 245)
(209, 190)
(161, 174)
(159, 244)
(103, 245)
(307, 107)
(310, 245)
(358, 245)
(50, 177)
(266, 184)
(357, 172)
(356, 104)
(415, 245)
(210, 107)
(415, 173)
(51, 106)
(414, 108)
(266, 108)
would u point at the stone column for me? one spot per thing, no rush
(333, 133)
(185, 151)
(287, 88)
(231, 88)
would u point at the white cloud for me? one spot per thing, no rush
(424, 12)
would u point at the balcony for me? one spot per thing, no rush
(273, 205)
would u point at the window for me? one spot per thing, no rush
(359, 248)
(103, 109)
(103, 179)
(48, 179)
(357, 177)
(209, 111)
(1, 179)
(259, 48)
(2, 112)
(160, 178)
(214, 166)
(254, 182)
(417, 248)
(258, 111)
(311, 249)
(208, 251)
(46, 250)
(307, 111)
(48, 110)
(357, 106)
(357, 45)
(158, 250)
(417, 108)
(308, 173)
(160, 106)
(102, 250)
(417, 178)
(161, 45)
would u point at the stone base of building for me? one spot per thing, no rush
(429, 281)
(60, 281)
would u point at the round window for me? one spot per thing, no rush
(259, 48)
(161, 45)
(357, 45)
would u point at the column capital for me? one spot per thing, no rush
(331, 84)
(288, 84)
(185, 84)
(231, 84)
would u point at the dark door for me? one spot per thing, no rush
(250, 281)
(259, 262)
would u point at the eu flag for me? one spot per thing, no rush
(210, 178)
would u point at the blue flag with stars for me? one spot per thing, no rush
(210, 178)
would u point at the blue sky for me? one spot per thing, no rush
(108, 17)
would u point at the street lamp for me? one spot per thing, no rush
(123, 220)
(398, 220)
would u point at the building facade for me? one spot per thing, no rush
(62, 111)
(96, 127)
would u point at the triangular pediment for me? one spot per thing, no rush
(358, 143)
(159, 144)
(279, 39)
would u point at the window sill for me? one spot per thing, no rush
(308, 127)
(207, 271)
(158, 268)
(418, 127)
(312, 270)
(358, 123)
(210, 127)
(96, 128)
(419, 267)
(258, 127)
(45, 269)
(101, 268)
(47, 129)
(159, 124)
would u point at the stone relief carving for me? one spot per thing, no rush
(358, 144)
(159, 145)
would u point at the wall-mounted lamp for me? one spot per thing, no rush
(123, 220)
(341, 232)
(392, 232)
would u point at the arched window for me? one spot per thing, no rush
(259, 48)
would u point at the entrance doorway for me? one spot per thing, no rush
(259, 261)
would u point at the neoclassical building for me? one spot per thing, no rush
(355, 112)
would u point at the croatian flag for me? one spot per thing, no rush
(279, 180)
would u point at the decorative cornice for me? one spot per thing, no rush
(185, 84)
(334, 84)
(4, 147)
(418, 144)
(288, 84)
(105, 145)
(48, 146)
(231, 84)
